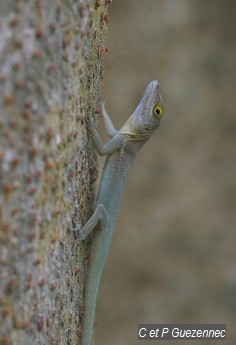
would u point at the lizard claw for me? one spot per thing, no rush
(78, 232)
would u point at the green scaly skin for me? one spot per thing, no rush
(121, 150)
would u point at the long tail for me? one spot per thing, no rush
(94, 275)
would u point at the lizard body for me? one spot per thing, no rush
(121, 151)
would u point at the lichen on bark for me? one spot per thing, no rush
(50, 79)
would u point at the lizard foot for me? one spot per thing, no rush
(78, 231)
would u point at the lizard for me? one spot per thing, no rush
(120, 151)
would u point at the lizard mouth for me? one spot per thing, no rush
(134, 127)
(129, 129)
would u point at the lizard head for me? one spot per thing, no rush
(146, 117)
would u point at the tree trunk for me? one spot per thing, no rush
(50, 74)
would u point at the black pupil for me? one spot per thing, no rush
(157, 111)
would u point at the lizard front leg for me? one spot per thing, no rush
(108, 122)
(112, 145)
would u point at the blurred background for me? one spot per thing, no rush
(173, 253)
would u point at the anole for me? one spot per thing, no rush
(121, 151)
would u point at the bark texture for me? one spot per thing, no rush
(50, 77)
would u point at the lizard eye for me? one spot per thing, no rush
(158, 111)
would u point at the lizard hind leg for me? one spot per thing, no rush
(100, 215)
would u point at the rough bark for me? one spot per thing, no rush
(50, 73)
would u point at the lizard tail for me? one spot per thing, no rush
(94, 275)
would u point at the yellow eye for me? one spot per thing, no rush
(158, 111)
